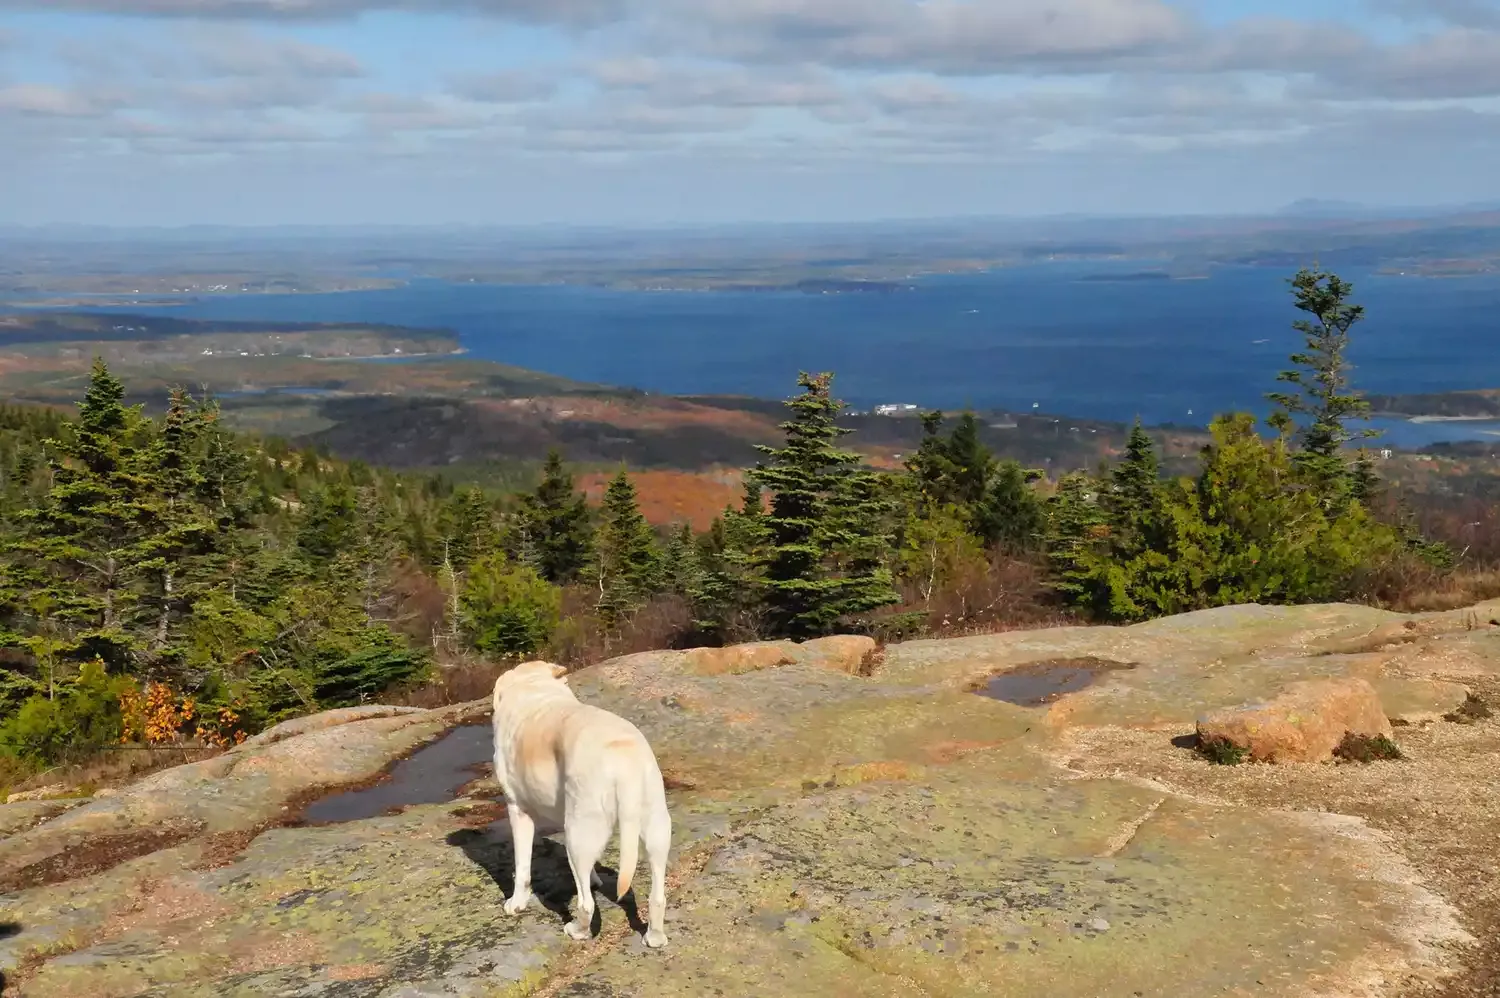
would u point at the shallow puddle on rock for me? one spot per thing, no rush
(432, 775)
(1040, 683)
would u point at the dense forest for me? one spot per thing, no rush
(165, 580)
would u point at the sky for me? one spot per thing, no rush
(177, 112)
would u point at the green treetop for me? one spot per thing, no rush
(828, 538)
(553, 530)
(628, 560)
(1321, 401)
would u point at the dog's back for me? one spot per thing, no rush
(572, 764)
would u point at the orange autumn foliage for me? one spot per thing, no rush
(157, 716)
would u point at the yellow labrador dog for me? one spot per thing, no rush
(562, 762)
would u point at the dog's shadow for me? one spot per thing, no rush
(490, 848)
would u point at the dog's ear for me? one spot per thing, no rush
(559, 671)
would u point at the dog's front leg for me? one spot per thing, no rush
(522, 830)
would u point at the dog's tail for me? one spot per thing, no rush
(630, 801)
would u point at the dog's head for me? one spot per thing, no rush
(530, 675)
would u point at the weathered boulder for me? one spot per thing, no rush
(1303, 723)
(850, 654)
(735, 659)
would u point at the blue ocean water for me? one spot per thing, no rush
(1013, 338)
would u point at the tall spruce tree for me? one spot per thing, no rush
(954, 469)
(628, 561)
(971, 463)
(730, 556)
(828, 541)
(1075, 523)
(1011, 514)
(180, 531)
(83, 541)
(552, 531)
(1131, 496)
(1321, 402)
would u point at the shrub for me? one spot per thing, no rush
(507, 609)
(83, 717)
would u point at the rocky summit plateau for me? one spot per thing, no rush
(1025, 814)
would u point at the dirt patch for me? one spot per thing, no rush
(100, 853)
(274, 952)
(1038, 684)
(223, 849)
(157, 904)
(674, 782)
(480, 815)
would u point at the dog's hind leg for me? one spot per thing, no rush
(658, 838)
(585, 837)
(522, 830)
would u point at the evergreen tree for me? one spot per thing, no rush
(329, 522)
(469, 531)
(1321, 396)
(1075, 523)
(1132, 494)
(1011, 514)
(730, 556)
(225, 472)
(827, 541)
(971, 464)
(82, 542)
(929, 466)
(180, 531)
(951, 470)
(507, 609)
(552, 531)
(681, 570)
(628, 561)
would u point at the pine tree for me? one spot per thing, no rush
(552, 531)
(82, 542)
(1364, 481)
(730, 556)
(970, 462)
(929, 466)
(628, 561)
(1322, 398)
(468, 526)
(1075, 524)
(226, 471)
(329, 522)
(1132, 493)
(828, 541)
(681, 570)
(1011, 514)
(951, 470)
(180, 531)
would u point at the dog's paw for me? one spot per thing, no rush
(578, 931)
(655, 938)
(518, 903)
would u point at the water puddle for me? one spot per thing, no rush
(432, 775)
(1037, 684)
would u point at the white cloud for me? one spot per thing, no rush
(553, 11)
